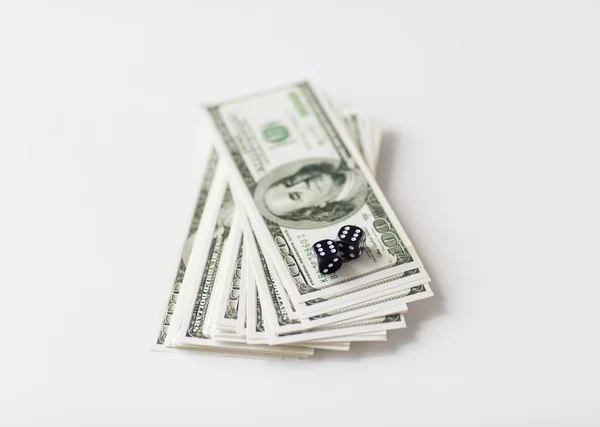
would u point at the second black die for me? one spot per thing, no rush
(351, 241)
(328, 256)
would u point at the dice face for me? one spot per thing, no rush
(327, 255)
(351, 242)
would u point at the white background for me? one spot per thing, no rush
(491, 160)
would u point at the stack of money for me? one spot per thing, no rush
(286, 169)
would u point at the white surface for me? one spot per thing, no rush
(491, 160)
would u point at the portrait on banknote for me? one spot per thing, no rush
(310, 193)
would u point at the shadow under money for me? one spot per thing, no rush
(420, 312)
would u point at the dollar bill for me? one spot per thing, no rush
(279, 308)
(247, 274)
(294, 203)
(206, 183)
(209, 248)
(227, 319)
(230, 301)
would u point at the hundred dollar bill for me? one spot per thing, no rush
(207, 180)
(241, 324)
(229, 318)
(281, 310)
(206, 245)
(234, 304)
(197, 312)
(225, 269)
(229, 304)
(300, 178)
(256, 323)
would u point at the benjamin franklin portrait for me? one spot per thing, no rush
(310, 193)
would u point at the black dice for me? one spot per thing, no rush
(351, 242)
(328, 256)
